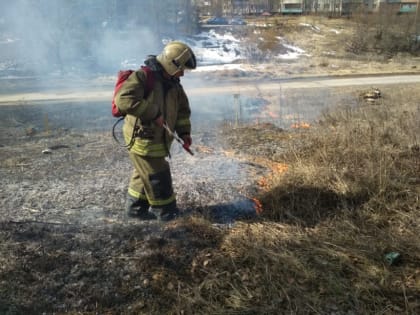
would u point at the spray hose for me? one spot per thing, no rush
(185, 146)
(132, 139)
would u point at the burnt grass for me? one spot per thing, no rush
(66, 246)
(65, 243)
(57, 268)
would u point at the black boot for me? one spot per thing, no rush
(138, 208)
(166, 212)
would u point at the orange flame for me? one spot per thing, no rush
(276, 169)
(266, 181)
(257, 205)
(263, 182)
(301, 125)
(280, 168)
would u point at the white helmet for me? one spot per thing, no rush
(177, 56)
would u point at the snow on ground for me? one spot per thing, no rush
(312, 27)
(215, 50)
(212, 48)
(227, 51)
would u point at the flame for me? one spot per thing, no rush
(258, 206)
(301, 125)
(265, 182)
(279, 168)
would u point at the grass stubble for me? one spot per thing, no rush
(349, 197)
(343, 194)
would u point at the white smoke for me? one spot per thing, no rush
(43, 37)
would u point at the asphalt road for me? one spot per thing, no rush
(194, 89)
(310, 83)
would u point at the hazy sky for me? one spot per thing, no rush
(76, 36)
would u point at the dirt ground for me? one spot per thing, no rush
(65, 244)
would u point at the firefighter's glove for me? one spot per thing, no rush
(187, 140)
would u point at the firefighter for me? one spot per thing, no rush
(150, 191)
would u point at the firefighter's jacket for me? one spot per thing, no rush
(167, 98)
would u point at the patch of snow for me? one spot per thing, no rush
(288, 56)
(313, 27)
(213, 50)
(294, 49)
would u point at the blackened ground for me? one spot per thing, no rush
(53, 171)
(66, 245)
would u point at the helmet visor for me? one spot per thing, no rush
(191, 63)
(186, 60)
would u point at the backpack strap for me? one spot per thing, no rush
(150, 80)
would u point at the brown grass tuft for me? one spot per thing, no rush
(348, 197)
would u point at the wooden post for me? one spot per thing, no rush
(238, 109)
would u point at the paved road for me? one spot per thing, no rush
(234, 87)
(309, 83)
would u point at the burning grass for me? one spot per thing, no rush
(348, 197)
(351, 193)
(339, 196)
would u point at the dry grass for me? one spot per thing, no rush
(346, 193)
(349, 197)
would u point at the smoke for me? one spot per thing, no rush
(124, 49)
(25, 33)
(42, 37)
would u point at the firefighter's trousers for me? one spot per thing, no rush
(151, 180)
